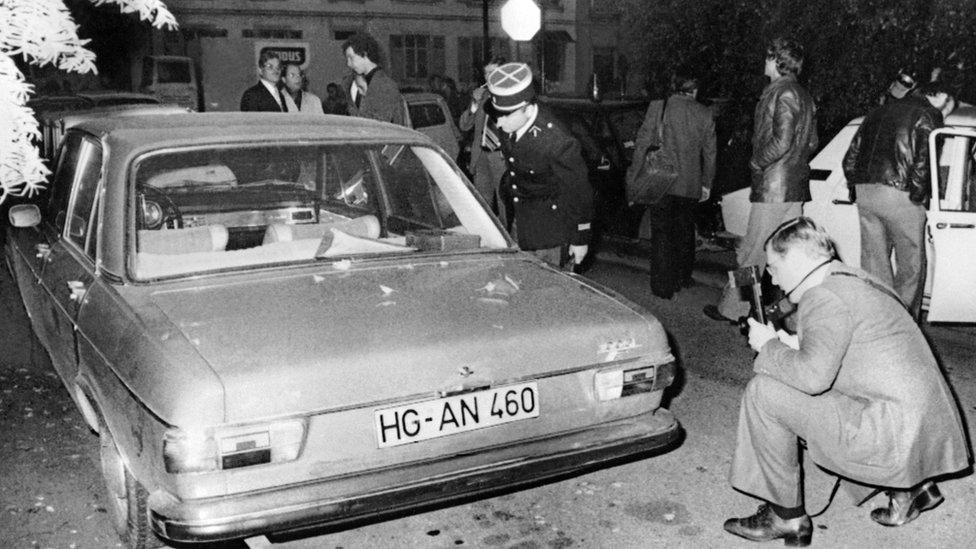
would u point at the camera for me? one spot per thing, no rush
(779, 314)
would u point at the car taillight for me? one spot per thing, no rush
(198, 451)
(632, 378)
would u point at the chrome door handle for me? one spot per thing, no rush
(955, 225)
(42, 251)
(78, 290)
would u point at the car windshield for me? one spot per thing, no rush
(218, 208)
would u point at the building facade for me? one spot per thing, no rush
(419, 38)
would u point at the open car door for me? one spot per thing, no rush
(951, 226)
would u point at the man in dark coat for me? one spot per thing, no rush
(887, 166)
(265, 96)
(375, 95)
(546, 178)
(690, 137)
(858, 384)
(784, 138)
(486, 164)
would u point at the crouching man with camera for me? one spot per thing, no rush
(858, 386)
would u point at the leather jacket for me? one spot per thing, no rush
(785, 137)
(891, 147)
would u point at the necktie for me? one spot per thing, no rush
(281, 102)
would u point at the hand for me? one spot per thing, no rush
(478, 93)
(759, 334)
(706, 194)
(790, 340)
(577, 253)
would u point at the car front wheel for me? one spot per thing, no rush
(126, 497)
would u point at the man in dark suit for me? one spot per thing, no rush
(375, 95)
(690, 137)
(265, 95)
(546, 178)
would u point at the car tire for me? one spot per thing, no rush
(125, 497)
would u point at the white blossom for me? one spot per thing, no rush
(43, 32)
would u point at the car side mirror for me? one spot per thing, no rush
(24, 215)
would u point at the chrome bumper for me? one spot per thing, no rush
(375, 494)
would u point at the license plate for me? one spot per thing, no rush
(456, 414)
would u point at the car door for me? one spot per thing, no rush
(70, 266)
(951, 226)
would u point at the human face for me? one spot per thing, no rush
(770, 68)
(359, 64)
(788, 270)
(293, 78)
(270, 70)
(510, 122)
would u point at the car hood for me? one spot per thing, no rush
(332, 338)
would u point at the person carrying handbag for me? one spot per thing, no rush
(684, 129)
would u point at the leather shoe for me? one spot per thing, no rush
(711, 311)
(766, 526)
(905, 506)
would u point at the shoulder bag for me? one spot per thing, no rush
(657, 172)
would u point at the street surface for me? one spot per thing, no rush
(50, 485)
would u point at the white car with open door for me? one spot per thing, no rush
(951, 227)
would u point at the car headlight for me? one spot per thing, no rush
(633, 377)
(212, 449)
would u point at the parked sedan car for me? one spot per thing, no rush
(950, 229)
(606, 131)
(89, 99)
(275, 322)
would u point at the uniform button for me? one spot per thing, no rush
(515, 199)
(510, 159)
(532, 171)
(554, 206)
(514, 187)
(549, 125)
(511, 173)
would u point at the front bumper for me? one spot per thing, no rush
(377, 493)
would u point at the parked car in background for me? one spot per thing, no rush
(88, 100)
(53, 123)
(606, 131)
(950, 232)
(429, 114)
(276, 321)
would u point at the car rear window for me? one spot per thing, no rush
(227, 207)
(426, 115)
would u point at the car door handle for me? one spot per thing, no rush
(78, 290)
(955, 226)
(42, 251)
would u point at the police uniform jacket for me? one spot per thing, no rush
(546, 181)
(898, 423)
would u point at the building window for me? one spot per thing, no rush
(555, 51)
(272, 33)
(603, 67)
(471, 56)
(414, 57)
(342, 35)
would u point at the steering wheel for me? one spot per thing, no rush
(158, 209)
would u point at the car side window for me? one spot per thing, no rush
(80, 227)
(415, 201)
(59, 191)
(956, 172)
(425, 115)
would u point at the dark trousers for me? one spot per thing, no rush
(672, 243)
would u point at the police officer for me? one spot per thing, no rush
(546, 178)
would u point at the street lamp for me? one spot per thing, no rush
(521, 19)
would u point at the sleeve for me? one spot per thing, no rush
(780, 139)
(467, 119)
(575, 192)
(918, 182)
(850, 158)
(646, 135)
(825, 331)
(383, 102)
(708, 153)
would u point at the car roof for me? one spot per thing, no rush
(73, 116)
(585, 103)
(963, 116)
(162, 130)
(101, 94)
